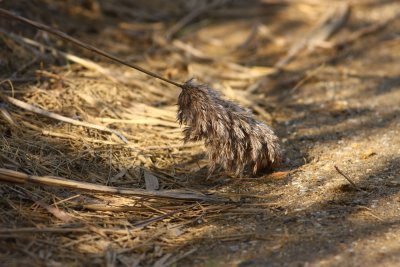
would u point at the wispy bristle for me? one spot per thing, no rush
(233, 138)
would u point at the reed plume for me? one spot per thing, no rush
(232, 137)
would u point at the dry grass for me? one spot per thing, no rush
(42, 225)
(73, 227)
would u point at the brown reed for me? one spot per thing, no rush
(233, 138)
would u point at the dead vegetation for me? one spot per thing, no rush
(324, 75)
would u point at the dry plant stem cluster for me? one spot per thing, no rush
(233, 138)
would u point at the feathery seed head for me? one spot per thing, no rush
(233, 138)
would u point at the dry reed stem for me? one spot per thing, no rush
(11, 176)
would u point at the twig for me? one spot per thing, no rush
(89, 47)
(348, 179)
(55, 116)
(11, 176)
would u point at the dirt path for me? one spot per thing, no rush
(334, 104)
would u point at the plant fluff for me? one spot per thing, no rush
(232, 137)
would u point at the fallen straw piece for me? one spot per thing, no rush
(16, 177)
